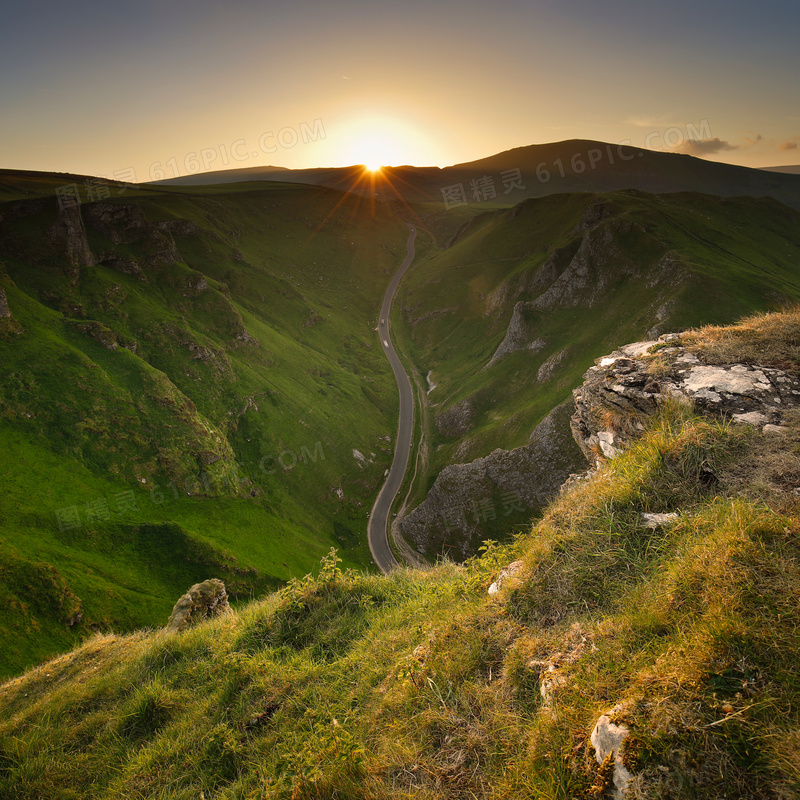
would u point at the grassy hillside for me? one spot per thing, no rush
(418, 684)
(186, 376)
(574, 276)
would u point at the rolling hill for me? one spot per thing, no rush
(609, 652)
(576, 165)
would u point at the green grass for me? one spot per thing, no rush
(417, 684)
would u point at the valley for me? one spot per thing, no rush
(194, 379)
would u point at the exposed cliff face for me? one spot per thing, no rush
(611, 409)
(583, 274)
(69, 235)
(456, 420)
(519, 335)
(629, 385)
(507, 485)
(126, 224)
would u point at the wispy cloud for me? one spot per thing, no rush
(660, 121)
(786, 146)
(753, 141)
(704, 147)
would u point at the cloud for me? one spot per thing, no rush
(787, 146)
(650, 122)
(704, 147)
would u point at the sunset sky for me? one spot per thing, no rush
(153, 88)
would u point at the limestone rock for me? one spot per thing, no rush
(69, 235)
(125, 223)
(194, 285)
(514, 568)
(607, 740)
(585, 280)
(546, 370)
(518, 336)
(180, 227)
(126, 266)
(203, 601)
(621, 391)
(244, 338)
(655, 521)
(99, 332)
(464, 497)
(122, 223)
(552, 678)
(456, 420)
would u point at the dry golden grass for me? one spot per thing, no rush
(771, 340)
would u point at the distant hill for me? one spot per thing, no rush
(790, 169)
(576, 165)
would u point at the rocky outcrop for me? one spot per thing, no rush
(505, 574)
(203, 601)
(125, 266)
(585, 274)
(194, 285)
(178, 227)
(102, 334)
(122, 223)
(5, 312)
(126, 224)
(69, 235)
(608, 740)
(551, 365)
(518, 336)
(584, 281)
(466, 497)
(456, 420)
(243, 338)
(626, 387)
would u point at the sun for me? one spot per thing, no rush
(378, 140)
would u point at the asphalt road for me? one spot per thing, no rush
(377, 527)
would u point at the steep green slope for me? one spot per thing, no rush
(418, 685)
(186, 379)
(505, 321)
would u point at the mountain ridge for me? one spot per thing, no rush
(566, 166)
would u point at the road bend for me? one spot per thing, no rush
(378, 525)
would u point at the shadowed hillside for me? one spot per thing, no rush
(576, 165)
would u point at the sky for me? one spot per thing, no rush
(148, 89)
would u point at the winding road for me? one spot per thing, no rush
(378, 525)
